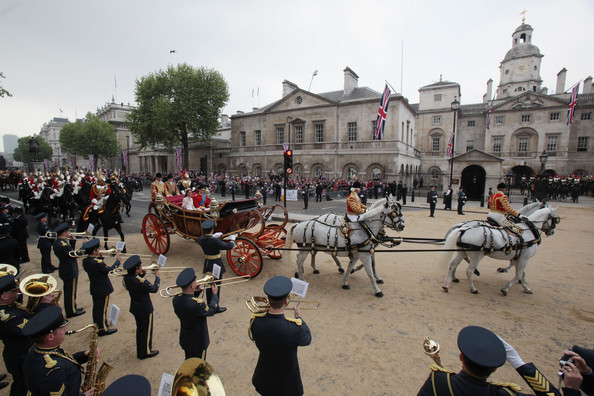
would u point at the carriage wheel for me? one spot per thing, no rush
(155, 234)
(245, 258)
(273, 236)
(268, 211)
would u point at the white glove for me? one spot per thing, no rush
(94, 201)
(217, 234)
(512, 357)
(233, 237)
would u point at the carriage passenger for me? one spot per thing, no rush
(188, 201)
(201, 200)
(499, 206)
(354, 205)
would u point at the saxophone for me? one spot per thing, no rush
(93, 378)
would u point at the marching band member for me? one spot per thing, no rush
(140, 305)
(157, 187)
(44, 244)
(170, 186)
(192, 312)
(76, 183)
(499, 205)
(67, 269)
(354, 205)
(100, 285)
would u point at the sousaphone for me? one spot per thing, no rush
(195, 377)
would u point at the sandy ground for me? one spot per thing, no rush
(367, 345)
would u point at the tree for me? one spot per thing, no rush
(177, 106)
(90, 136)
(2, 90)
(22, 154)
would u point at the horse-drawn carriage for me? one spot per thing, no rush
(247, 218)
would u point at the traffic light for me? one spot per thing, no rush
(289, 162)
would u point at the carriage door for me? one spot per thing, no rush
(473, 181)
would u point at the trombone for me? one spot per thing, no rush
(207, 281)
(81, 253)
(261, 304)
(80, 236)
(38, 285)
(151, 268)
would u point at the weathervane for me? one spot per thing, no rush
(523, 13)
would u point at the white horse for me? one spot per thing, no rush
(481, 239)
(332, 234)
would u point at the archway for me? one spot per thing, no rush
(520, 174)
(473, 181)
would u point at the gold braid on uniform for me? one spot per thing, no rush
(509, 385)
(297, 321)
(49, 362)
(254, 316)
(435, 367)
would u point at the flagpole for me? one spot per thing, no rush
(390, 85)
(570, 88)
(401, 65)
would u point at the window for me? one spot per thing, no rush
(298, 133)
(469, 145)
(471, 123)
(373, 126)
(436, 120)
(522, 144)
(525, 117)
(435, 144)
(434, 174)
(582, 143)
(552, 143)
(319, 133)
(497, 143)
(258, 138)
(586, 116)
(319, 172)
(499, 120)
(520, 89)
(352, 128)
(554, 117)
(280, 135)
(437, 97)
(242, 138)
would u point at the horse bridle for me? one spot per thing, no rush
(550, 229)
(393, 215)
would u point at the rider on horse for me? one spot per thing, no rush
(354, 205)
(99, 193)
(499, 206)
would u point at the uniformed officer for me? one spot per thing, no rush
(140, 305)
(157, 187)
(44, 244)
(277, 339)
(48, 369)
(20, 233)
(131, 384)
(432, 201)
(100, 285)
(481, 353)
(354, 205)
(9, 247)
(499, 205)
(67, 270)
(192, 312)
(461, 200)
(13, 317)
(212, 246)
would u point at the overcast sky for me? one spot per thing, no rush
(63, 58)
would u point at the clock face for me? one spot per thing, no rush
(522, 68)
(299, 100)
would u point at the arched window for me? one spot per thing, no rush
(376, 174)
(434, 173)
(352, 173)
(319, 172)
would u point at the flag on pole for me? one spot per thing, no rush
(382, 113)
(125, 158)
(450, 150)
(285, 147)
(178, 156)
(489, 115)
(92, 161)
(572, 103)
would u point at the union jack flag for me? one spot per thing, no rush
(92, 161)
(489, 115)
(382, 113)
(125, 157)
(450, 150)
(285, 147)
(178, 156)
(572, 104)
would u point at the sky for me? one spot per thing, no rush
(64, 58)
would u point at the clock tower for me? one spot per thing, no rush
(520, 69)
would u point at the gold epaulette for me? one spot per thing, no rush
(435, 367)
(510, 385)
(64, 243)
(140, 278)
(198, 300)
(297, 321)
(49, 362)
(258, 315)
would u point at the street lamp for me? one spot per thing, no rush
(543, 161)
(455, 106)
(289, 120)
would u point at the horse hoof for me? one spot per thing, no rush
(352, 271)
(456, 280)
(501, 270)
(380, 281)
(379, 294)
(316, 272)
(528, 291)
(346, 287)
(445, 289)
(504, 292)
(296, 275)
(477, 272)
(341, 270)
(474, 291)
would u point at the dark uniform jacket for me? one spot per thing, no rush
(42, 242)
(432, 197)
(68, 268)
(12, 320)
(53, 371)
(139, 288)
(11, 253)
(277, 339)
(192, 313)
(19, 228)
(463, 384)
(212, 247)
(100, 285)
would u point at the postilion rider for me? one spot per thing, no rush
(499, 206)
(354, 205)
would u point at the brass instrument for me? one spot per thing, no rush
(195, 377)
(262, 305)
(151, 268)
(7, 269)
(432, 349)
(93, 378)
(207, 281)
(113, 250)
(38, 285)
(79, 236)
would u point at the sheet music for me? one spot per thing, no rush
(120, 245)
(90, 228)
(114, 314)
(299, 287)
(162, 260)
(166, 385)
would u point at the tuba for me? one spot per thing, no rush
(38, 285)
(7, 269)
(93, 378)
(195, 377)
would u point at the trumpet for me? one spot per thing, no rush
(113, 250)
(151, 268)
(7, 269)
(38, 285)
(207, 281)
(262, 304)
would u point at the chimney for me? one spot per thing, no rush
(588, 85)
(224, 119)
(544, 91)
(489, 95)
(288, 87)
(351, 80)
(561, 81)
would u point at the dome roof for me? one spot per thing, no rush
(522, 27)
(522, 51)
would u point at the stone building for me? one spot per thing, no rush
(50, 132)
(331, 135)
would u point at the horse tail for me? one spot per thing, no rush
(289, 237)
(450, 243)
